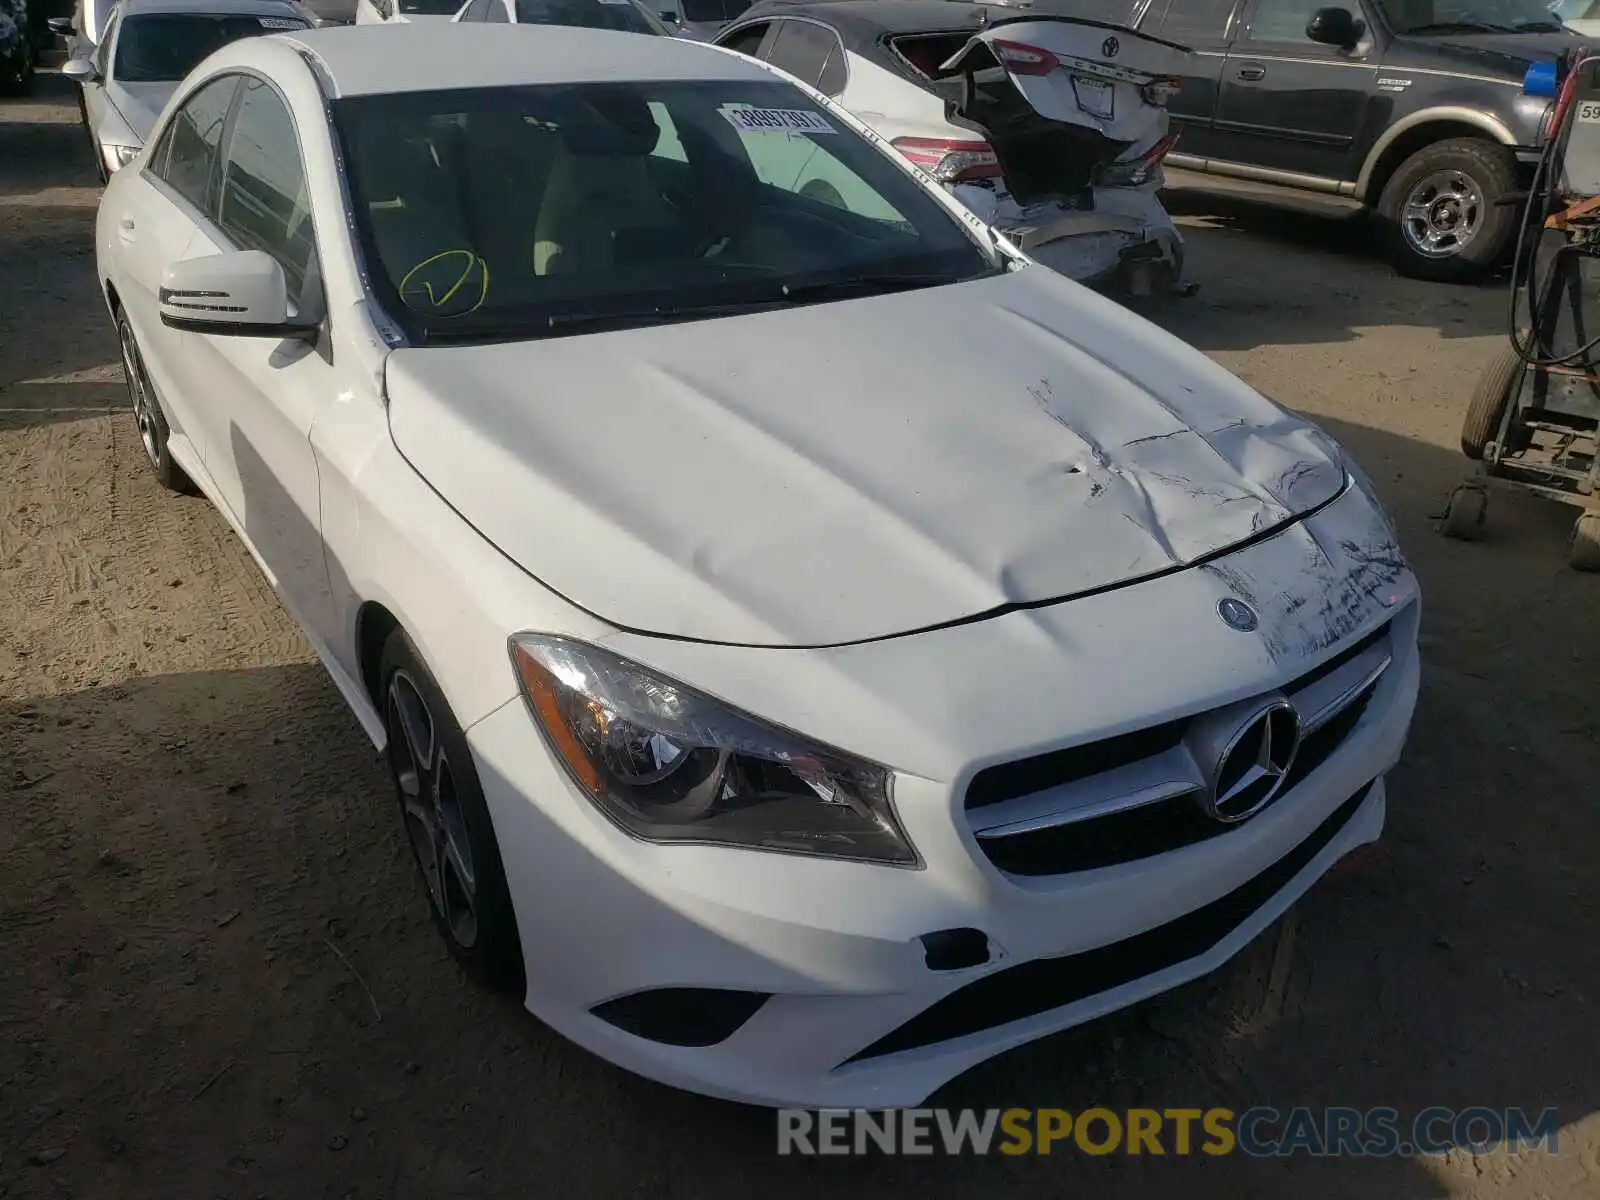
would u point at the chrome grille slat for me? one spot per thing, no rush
(1148, 781)
(1325, 698)
(1148, 805)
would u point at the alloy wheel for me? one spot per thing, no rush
(139, 391)
(432, 809)
(1442, 214)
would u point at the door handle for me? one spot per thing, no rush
(1252, 72)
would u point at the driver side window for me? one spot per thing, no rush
(102, 53)
(187, 159)
(1285, 21)
(265, 204)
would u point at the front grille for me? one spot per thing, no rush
(1109, 833)
(1031, 988)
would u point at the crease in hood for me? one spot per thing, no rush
(842, 472)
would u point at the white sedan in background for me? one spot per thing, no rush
(816, 648)
(146, 49)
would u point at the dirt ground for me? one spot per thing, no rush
(217, 976)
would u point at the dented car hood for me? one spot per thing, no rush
(842, 472)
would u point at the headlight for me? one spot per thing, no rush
(120, 156)
(669, 764)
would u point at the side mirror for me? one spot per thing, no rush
(238, 294)
(1337, 27)
(81, 70)
(61, 27)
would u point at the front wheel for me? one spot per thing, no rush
(1440, 219)
(447, 821)
(147, 414)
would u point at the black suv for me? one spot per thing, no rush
(1412, 108)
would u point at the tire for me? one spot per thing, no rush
(1465, 516)
(1583, 543)
(147, 415)
(1463, 177)
(446, 821)
(1496, 386)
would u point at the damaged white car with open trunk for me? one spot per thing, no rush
(1051, 128)
(816, 648)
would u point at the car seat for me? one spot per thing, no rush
(599, 187)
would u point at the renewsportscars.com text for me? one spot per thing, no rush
(1260, 1132)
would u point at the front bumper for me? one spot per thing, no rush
(856, 1016)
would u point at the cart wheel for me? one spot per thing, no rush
(1583, 544)
(1464, 516)
(1496, 386)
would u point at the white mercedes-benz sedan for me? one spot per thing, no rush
(146, 50)
(816, 648)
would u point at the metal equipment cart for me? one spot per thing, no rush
(1533, 421)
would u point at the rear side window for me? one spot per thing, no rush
(624, 16)
(714, 10)
(188, 157)
(747, 40)
(802, 49)
(1197, 20)
(264, 201)
(927, 51)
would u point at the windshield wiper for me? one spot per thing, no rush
(557, 324)
(1462, 27)
(869, 285)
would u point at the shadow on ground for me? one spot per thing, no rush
(1325, 281)
(224, 981)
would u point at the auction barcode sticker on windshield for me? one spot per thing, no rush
(777, 120)
(280, 23)
(1589, 110)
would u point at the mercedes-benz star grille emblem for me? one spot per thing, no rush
(1254, 764)
(1236, 614)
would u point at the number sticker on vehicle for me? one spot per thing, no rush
(280, 23)
(777, 120)
(1589, 110)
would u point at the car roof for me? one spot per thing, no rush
(360, 60)
(211, 8)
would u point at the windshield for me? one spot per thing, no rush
(622, 15)
(164, 47)
(1470, 16)
(536, 211)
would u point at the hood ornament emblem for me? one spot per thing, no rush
(1238, 615)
